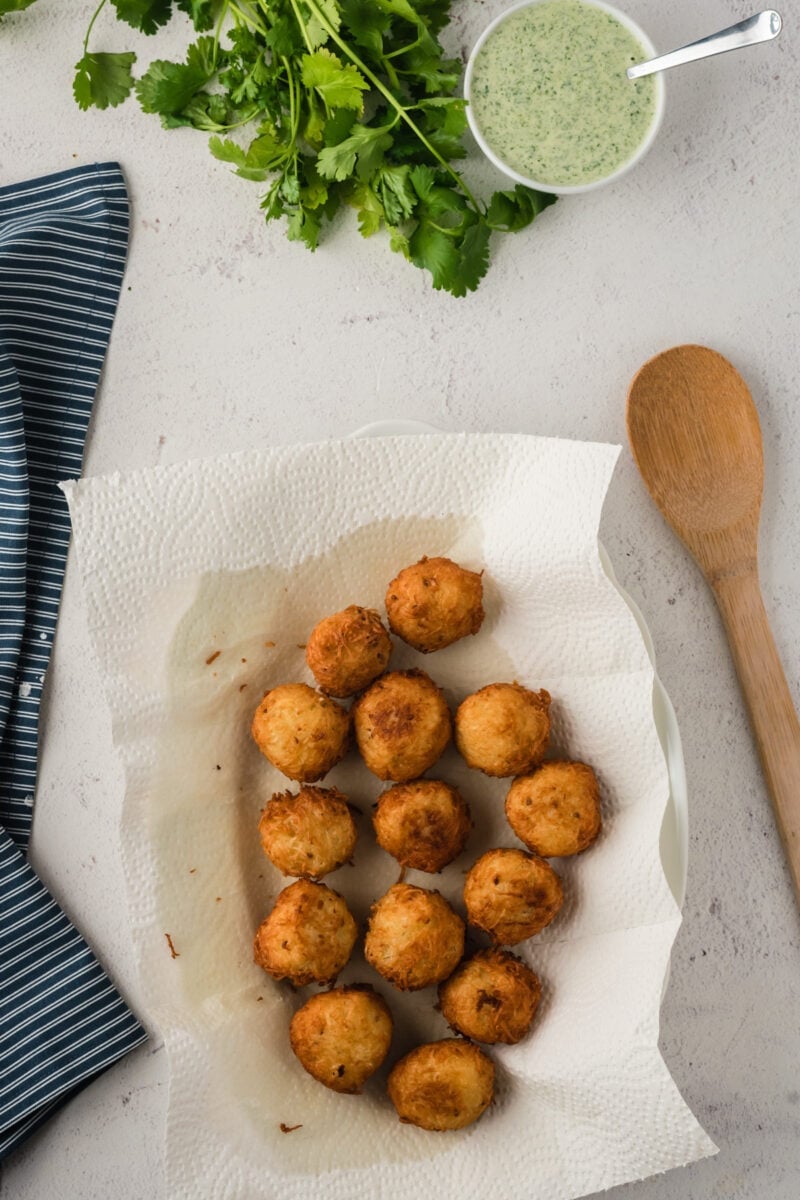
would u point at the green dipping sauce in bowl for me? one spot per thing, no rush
(548, 98)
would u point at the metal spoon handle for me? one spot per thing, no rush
(759, 28)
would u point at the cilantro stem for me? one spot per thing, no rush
(249, 18)
(403, 49)
(390, 71)
(223, 12)
(399, 108)
(95, 15)
(294, 107)
(302, 25)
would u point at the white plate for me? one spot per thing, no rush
(674, 844)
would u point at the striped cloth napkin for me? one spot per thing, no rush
(63, 242)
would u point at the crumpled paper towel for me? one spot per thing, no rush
(202, 581)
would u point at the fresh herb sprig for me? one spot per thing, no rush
(331, 103)
(11, 6)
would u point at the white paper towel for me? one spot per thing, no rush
(202, 582)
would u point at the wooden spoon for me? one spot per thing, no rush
(696, 439)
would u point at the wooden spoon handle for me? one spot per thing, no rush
(769, 701)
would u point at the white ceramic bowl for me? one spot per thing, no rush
(648, 51)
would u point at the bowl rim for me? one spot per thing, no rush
(578, 188)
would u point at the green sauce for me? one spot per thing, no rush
(550, 95)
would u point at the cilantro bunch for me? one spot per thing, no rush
(331, 103)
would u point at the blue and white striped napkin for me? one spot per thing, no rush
(63, 243)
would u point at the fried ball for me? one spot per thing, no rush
(309, 834)
(346, 651)
(511, 895)
(402, 725)
(300, 731)
(492, 997)
(414, 938)
(556, 810)
(308, 937)
(341, 1037)
(423, 824)
(503, 729)
(442, 1085)
(434, 603)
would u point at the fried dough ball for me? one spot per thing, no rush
(309, 834)
(556, 810)
(402, 724)
(434, 603)
(414, 938)
(512, 895)
(423, 824)
(503, 729)
(442, 1085)
(492, 997)
(300, 731)
(341, 1037)
(346, 651)
(308, 937)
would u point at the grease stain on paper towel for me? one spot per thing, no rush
(207, 820)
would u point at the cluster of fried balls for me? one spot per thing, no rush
(401, 724)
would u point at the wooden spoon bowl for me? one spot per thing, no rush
(695, 436)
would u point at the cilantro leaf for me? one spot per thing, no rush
(316, 15)
(371, 214)
(394, 188)
(511, 211)
(167, 87)
(473, 259)
(203, 12)
(146, 15)
(285, 38)
(262, 155)
(339, 86)
(435, 13)
(365, 146)
(426, 66)
(207, 111)
(103, 80)
(337, 127)
(9, 6)
(445, 124)
(456, 258)
(434, 250)
(304, 226)
(366, 23)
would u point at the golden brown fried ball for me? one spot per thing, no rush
(442, 1085)
(503, 729)
(556, 810)
(423, 824)
(414, 938)
(341, 1037)
(308, 937)
(402, 724)
(434, 603)
(346, 651)
(512, 895)
(300, 731)
(492, 997)
(309, 834)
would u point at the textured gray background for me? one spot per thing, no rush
(228, 336)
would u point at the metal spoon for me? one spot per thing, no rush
(762, 27)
